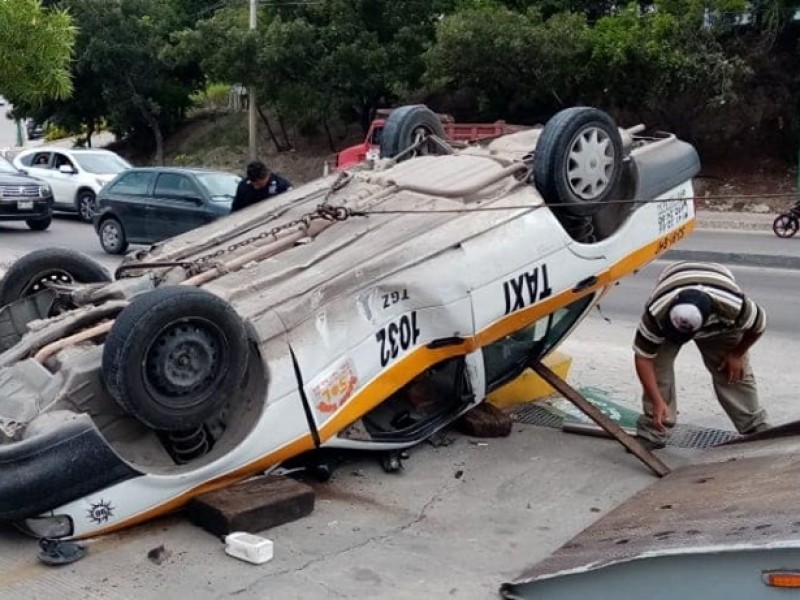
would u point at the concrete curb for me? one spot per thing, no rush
(709, 219)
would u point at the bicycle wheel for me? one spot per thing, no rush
(785, 225)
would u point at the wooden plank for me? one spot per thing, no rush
(252, 506)
(590, 410)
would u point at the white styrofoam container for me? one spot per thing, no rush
(249, 547)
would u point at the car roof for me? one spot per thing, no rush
(185, 170)
(65, 150)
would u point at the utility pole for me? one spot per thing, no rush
(251, 95)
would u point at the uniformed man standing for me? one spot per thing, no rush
(700, 302)
(260, 184)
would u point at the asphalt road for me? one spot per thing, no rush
(774, 289)
(740, 242)
(65, 232)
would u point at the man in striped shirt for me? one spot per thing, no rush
(700, 302)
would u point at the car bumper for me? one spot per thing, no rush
(17, 210)
(54, 467)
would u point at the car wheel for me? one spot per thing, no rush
(785, 226)
(39, 224)
(578, 160)
(32, 272)
(85, 204)
(112, 237)
(409, 125)
(174, 357)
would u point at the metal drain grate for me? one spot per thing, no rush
(681, 436)
(691, 436)
(531, 414)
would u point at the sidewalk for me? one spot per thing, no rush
(711, 219)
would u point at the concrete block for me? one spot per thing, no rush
(251, 506)
(484, 421)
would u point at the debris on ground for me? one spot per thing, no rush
(158, 555)
(440, 439)
(485, 420)
(254, 505)
(59, 552)
(248, 547)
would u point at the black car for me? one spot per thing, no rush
(35, 130)
(147, 205)
(24, 198)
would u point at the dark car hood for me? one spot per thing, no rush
(17, 179)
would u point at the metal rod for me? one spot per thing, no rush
(590, 410)
(82, 336)
(252, 123)
(467, 190)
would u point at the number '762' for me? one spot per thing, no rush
(398, 336)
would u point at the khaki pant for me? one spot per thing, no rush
(739, 399)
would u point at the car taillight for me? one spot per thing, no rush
(55, 526)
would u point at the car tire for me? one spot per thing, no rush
(39, 224)
(112, 236)
(174, 357)
(30, 273)
(578, 161)
(403, 128)
(785, 225)
(85, 204)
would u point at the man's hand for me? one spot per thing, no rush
(659, 415)
(647, 375)
(734, 367)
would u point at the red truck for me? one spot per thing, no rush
(370, 148)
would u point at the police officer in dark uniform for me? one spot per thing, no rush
(260, 184)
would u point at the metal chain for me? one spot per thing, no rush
(326, 212)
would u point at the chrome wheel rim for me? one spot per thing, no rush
(111, 236)
(590, 163)
(86, 204)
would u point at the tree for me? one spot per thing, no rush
(35, 50)
(535, 66)
(127, 52)
(315, 62)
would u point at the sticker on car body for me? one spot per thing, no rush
(671, 214)
(335, 387)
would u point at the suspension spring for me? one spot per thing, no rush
(185, 446)
(580, 229)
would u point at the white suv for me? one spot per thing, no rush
(76, 176)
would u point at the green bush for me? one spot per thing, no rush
(215, 96)
(55, 132)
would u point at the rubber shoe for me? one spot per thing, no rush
(650, 445)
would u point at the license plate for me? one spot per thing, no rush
(25, 204)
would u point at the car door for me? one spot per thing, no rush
(127, 200)
(37, 164)
(64, 184)
(177, 206)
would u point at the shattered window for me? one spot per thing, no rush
(506, 358)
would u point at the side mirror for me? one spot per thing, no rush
(66, 169)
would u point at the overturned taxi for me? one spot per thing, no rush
(365, 310)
